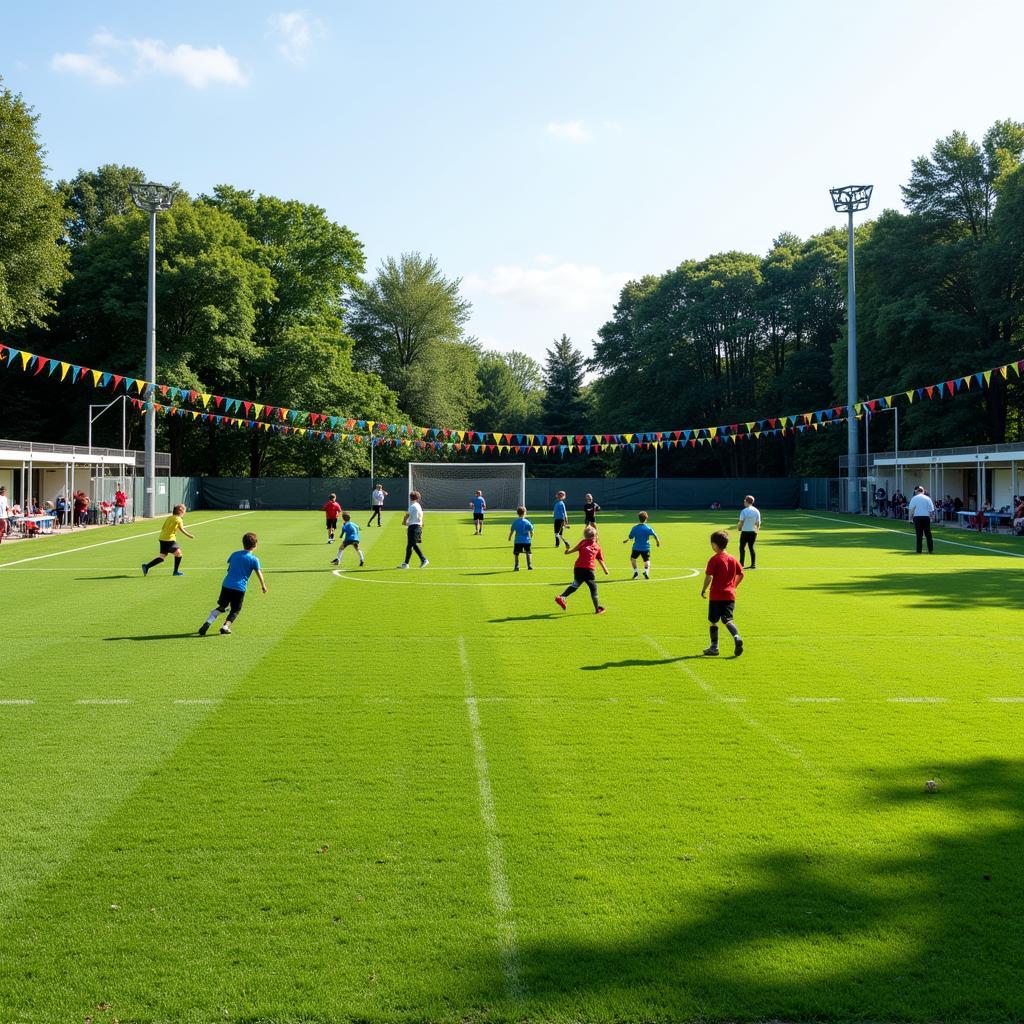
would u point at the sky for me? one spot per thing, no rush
(544, 153)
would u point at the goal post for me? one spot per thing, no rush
(449, 486)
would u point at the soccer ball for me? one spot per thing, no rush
(931, 786)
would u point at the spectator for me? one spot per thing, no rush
(5, 511)
(120, 504)
(81, 508)
(880, 500)
(921, 508)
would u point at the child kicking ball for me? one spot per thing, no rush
(241, 565)
(589, 555)
(723, 575)
(349, 539)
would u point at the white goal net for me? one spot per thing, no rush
(451, 486)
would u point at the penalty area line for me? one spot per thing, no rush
(500, 896)
(117, 540)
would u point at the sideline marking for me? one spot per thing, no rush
(16, 702)
(104, 700)
(1007, 700)
(815, 700)
(910, 536)
(495, 855)
(344, 574)
(712, 694)
(915, 700)
(199, 700)
(118, 540)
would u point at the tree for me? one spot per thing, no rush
(564, 409)
(91, 198)
(33, 264)
(402, 321)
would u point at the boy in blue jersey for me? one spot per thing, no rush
(561, 517)
(349, 539)
(479, 507)
(241, 565)
(522, 529)
(641, 535)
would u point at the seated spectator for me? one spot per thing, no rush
(958, 504)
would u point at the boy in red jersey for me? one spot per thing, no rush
(589, 555)
(332, 510)
(723, 575)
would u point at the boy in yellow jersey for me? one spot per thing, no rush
(168, 541)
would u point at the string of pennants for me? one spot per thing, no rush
(245, 414)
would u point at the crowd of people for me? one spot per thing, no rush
(35, 517)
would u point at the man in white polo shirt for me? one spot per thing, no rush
(413, 522)
(920, 512)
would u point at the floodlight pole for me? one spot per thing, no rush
(850, 199)
(151, 198)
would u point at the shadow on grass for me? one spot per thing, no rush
(952, 588)
(930, 928)
(118, 576)
(530, 618)
(193, 635)
(642, 662)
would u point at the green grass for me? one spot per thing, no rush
(433, 795)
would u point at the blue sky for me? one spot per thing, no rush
(545, 153)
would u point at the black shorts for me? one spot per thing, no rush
(332, 524)
(522, 549)
(168, 547)
(478, 515)
(583, 575)
(645, 555)
(721, 610)
(414, 534)
(559, 527)
(589, 521)
(350, 544)
(230, 598)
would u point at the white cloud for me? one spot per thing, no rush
(295, 32)
(88, 65)
(570, 288)
(569, 131)
(197, 66)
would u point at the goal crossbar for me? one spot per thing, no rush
(450, 486)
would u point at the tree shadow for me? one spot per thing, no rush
(931, 929)
(950, 588)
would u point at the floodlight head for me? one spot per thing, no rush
(851, 198)
(151, 197)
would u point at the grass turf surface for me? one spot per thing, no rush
(432, 795)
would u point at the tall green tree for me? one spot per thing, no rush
(91, 198)
(33, 263)
(564, 409)
(408, 324)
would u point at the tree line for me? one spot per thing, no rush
(265, 297)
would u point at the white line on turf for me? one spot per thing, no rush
(815, 700)
(118, 540)
(910, 536)
(495, 855)
(915, 700)
(1007, 700)
(787, 748)
(198, 700)
(16, 702)
(511, 578)
(104, 700)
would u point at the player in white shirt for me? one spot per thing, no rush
(413, 523)
(749, 527)
(920, 512)
(379, 494)
(5, 511)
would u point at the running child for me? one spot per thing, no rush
(332, 510)
(561, 516)
(377, 501)
(241, 565)
(749, 527)
(723, 575)
(641, 535)
(413, 523)
(349, 538)
(169, 541)
(479, 507)
(590, 510)
(589, 555)
(522, 529)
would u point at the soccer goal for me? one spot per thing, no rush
(451, 485)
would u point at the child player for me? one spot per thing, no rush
(723, 575)
(561, 517)
(332, 510)
(589, 555)
(590, 510)
(479, 506)
(641, 535)
(349, 539)
(241, 565)
(169, 541)
(522, 529)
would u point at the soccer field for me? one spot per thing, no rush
(433, 795)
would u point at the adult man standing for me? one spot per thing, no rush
(920, 511)
(377, 501)
(120, 504)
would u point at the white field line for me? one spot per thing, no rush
(910, 536)
(198, 700)
(119, 540)
(815, 700)
(915, 700)
(500, 895)
(16, 702)
(712, 694)
(1007, 700)
(104, 700)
